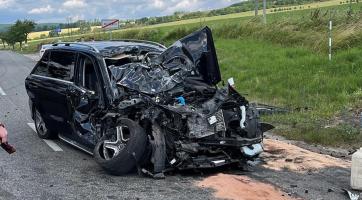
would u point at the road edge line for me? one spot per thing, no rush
(50, 143)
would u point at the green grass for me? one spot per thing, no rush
(285, 63)
(207, 20)
(297, 78)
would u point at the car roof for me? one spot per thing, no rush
(100, 45)
(104, 47)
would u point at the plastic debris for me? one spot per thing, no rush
(352, 196)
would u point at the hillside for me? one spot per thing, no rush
(4, 27)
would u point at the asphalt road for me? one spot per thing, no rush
(36, 171)
(54, 170)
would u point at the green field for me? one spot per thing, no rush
(285, 63)
(228, 17)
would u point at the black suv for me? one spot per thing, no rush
(136, 104)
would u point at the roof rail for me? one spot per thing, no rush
(76, 43)
(143, 41)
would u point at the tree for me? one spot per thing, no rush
(84, 26)
(9, 37)
(53, 33)
(2, 38)
(28, 27)
(19, 31)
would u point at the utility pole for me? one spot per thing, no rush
(264, 11)
(71, 25)
(256, 7)
(68, 21)
(330, 35)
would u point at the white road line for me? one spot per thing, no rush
(2, 92)
(50, 143)
(53, 145)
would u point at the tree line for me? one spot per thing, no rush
(17, 33)
(76, 24)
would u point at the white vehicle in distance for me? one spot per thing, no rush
(43, 48)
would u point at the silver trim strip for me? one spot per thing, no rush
(67, 44)
(74, 144)
(50, 78)
(140, 41)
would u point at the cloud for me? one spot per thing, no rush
(60, 10)
(5, 3)
(184, 5)
(70, 4)
(76, 17)
(158, 4)
(41, 10)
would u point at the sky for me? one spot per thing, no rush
(45, 11)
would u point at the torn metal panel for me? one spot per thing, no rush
(192, 56)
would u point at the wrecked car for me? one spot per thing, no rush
(139, 105)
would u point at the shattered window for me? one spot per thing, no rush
(89, 78)
(42, 66)
(61, 65)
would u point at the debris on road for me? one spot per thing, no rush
(269, 109)
(228, 186)
(352, 196)
(284, 161)
(279, 155)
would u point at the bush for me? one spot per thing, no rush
(178, 33)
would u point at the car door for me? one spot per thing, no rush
(85, 99)
(47, 88)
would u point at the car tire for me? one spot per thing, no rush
(129, 153)
(41, 127)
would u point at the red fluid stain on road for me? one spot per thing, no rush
(228, 186)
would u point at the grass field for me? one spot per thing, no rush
(37, 35)
(245, 14)
(285, 63)
(315, 90)
(237, 16)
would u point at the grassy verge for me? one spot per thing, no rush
(312, 88)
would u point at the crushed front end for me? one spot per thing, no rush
(222, 130)
(190, 121)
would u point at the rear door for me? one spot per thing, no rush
(47, 87)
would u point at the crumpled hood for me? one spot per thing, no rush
(192, 56)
